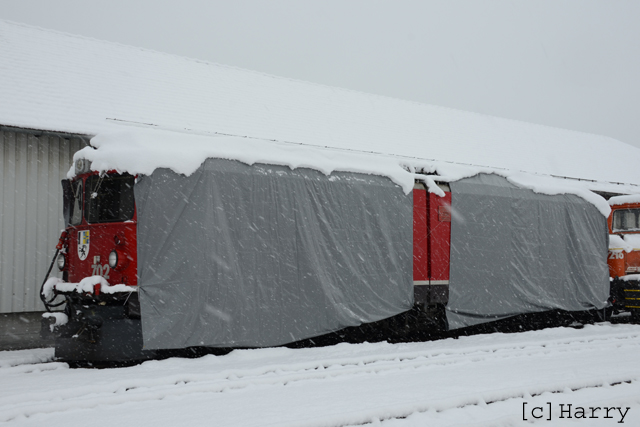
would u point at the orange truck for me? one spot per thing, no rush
(624, 253)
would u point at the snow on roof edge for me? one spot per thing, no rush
(622, 200)
(410, 159)
(141, 151)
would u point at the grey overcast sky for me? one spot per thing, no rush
(573, 64)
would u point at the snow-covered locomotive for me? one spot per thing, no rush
(248, 256)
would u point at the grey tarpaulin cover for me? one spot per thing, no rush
(514, 251)
(238, 255)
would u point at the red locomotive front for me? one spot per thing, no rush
(97, 259)
(101, 227)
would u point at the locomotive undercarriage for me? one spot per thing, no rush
(106, 331)
(99, 329)
(628, 296)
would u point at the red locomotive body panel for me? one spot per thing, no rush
(440, 237)
(431, 245)
(89, 244)
(420, 235)
(103, 238)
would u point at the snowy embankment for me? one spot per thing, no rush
(496, 379)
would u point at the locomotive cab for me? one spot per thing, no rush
(624, 256)
(101, 225)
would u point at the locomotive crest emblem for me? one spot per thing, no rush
(83, 244)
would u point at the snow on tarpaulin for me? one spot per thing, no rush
(141, 151)
(514, 251)
(236, 255)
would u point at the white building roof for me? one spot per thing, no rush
(60, 82)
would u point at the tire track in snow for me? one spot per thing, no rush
(404, 411)
(277, 376)
(9, 359)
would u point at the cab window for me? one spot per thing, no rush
(72, 201)
(626, 220)
(109, 198)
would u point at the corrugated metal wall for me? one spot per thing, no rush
(31, 212)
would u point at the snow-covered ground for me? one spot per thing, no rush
(496, 379)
